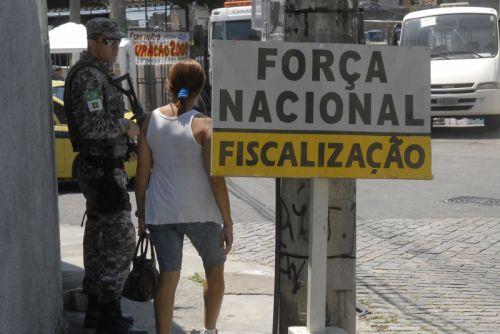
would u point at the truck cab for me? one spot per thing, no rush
(465, 62)
(232, 22)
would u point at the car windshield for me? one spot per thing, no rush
(457, 36)
(58, 92)
(59, 111)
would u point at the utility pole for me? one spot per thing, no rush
(74, 11)
(31, 286)
(75, 17)
(317, 21)
(118, 13)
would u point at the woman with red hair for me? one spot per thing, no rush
(176, 195)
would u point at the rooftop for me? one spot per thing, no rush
(53, 5)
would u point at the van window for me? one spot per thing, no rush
(218, 30)
(456, 36)
(241, 31)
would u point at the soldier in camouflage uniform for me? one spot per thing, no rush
(100, 133)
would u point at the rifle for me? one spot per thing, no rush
(137, 110)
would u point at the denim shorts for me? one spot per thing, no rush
(168, 240)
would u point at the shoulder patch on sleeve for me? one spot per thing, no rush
(93, 98)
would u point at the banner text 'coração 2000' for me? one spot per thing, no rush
(159, 48)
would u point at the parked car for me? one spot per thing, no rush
(374, 35)
(66, 159)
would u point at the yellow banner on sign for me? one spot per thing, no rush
(321, 155)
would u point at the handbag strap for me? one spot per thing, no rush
(144, 243)
(153, 257)
(140, 243)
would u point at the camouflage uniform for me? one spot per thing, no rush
(109, 240)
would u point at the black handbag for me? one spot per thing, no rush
(142, 281)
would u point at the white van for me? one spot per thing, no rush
(465, 62)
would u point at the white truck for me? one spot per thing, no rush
(465, 62)
(232, 22)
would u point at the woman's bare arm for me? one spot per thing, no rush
(144, 165)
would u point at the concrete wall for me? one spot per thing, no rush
(30, 274)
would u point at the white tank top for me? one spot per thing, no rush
(179, 190)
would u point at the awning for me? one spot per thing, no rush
(67, 38)
(72, 37)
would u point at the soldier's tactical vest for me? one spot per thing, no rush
(79, 144)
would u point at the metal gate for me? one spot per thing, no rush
(152, 89)
(152, 86)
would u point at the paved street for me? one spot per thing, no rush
(466, 169)
(427, 251)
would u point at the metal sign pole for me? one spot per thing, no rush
(317, 262)
(316, 273)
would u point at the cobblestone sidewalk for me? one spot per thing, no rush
(414, 275)
(430, 275)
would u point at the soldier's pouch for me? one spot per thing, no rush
(112, 195)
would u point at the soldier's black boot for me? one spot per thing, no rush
(111, 321)
(94, 311)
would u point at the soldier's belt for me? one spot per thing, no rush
(105, 162)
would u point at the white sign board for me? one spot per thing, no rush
(320, 110)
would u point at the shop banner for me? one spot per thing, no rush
(159, 48)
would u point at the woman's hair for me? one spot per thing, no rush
(185, 81)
